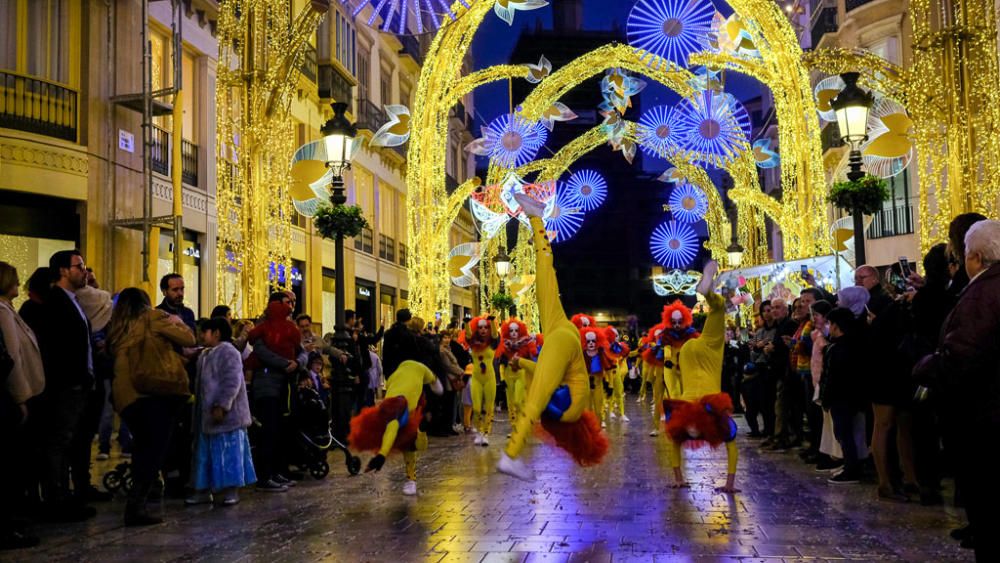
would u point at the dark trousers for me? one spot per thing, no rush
(53, 420)
(12, 482)
(752, 391)
(267, 455)
(768, 401)
(442, 414)
(927, 446)
(843, 430)
(80, 446)
(151, 420)
(341, 405)
(978, 479)
(814, 413)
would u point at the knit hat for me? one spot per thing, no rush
(854, 298)
(96, 304)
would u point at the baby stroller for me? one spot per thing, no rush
(119, 478)
(314, 436)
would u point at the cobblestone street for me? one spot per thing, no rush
(622, 510)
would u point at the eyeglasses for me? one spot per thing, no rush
(81, 265)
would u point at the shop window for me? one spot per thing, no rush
(29, 253)
(190, 267)
(329, 299)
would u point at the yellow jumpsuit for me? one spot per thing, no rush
(516, 390)
(619, 373)
(701, 370)
(561, 361)
(597, 389)
(407, 381)
(483, 384)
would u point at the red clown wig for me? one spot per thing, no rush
(582, 320)
(527, 349)
(602, 341)
(648, 354)
(707, 421)
(668, 312)
(583, 439)
(476, 343)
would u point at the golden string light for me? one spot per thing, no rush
(254, 144)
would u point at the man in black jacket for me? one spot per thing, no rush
(400, 344)
(63, 333)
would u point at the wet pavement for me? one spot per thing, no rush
(622, 510)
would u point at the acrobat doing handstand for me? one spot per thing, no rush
(560, 386)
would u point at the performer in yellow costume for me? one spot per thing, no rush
(654, 356)
(394, 424)
(560, 388)
(703, 414)
(515, 340)
(599, 366)
(481, 336)
(619, 353)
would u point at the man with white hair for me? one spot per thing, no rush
(964, 374)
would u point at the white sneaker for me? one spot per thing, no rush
(484, 440)
(663, 418)
(639, 399)
(604, 424)
(654, 433)
(410, 488)
(625, 418)
(478, 440)
(102, 457)
(613, 417)
(515, 468)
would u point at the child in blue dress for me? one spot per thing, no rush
(222, 461)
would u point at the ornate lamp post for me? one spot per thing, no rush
(502, 264)
(852, 105)
(734, 252)
(338, 138)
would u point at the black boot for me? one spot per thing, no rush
(137, 515)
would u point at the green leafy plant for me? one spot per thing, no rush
(333, 220)
(866, 195)
(502, 301)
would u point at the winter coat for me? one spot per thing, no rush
(842, 384)
(221, 383)
(27, 379)
(165, 335)
(965, 369)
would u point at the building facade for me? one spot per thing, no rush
(71, 148)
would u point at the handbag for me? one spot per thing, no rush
(158, 368)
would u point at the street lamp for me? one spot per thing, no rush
(734, 253)
(851, 106)
(338, 139)
(502, 264)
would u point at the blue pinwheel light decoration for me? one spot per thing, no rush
(688, 204)
(659, 131)
(564, 217)
(668, 31)
(716, 127)
(404, 16)
(674, 244)
(513, 141)
(586, 189)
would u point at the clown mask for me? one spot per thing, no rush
(676, 320)
(514, 331)
(483, 329)
(591, 342)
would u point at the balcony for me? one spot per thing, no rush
(892, 222)
(830, 137)
(334, 85)
(411, 48)
(310, 68)
(369, 116)
(189, 162)
(855, 4)
(160, 153)
(37, 106)
(824, 22)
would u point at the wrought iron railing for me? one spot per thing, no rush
(37, 106)
(854, 4)
(824, 22)
(334, 85)
(892, 222)
(310, 68)
(411, 47)
(369, 116)
(830, 137)
(189, 162)
(159, 152)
